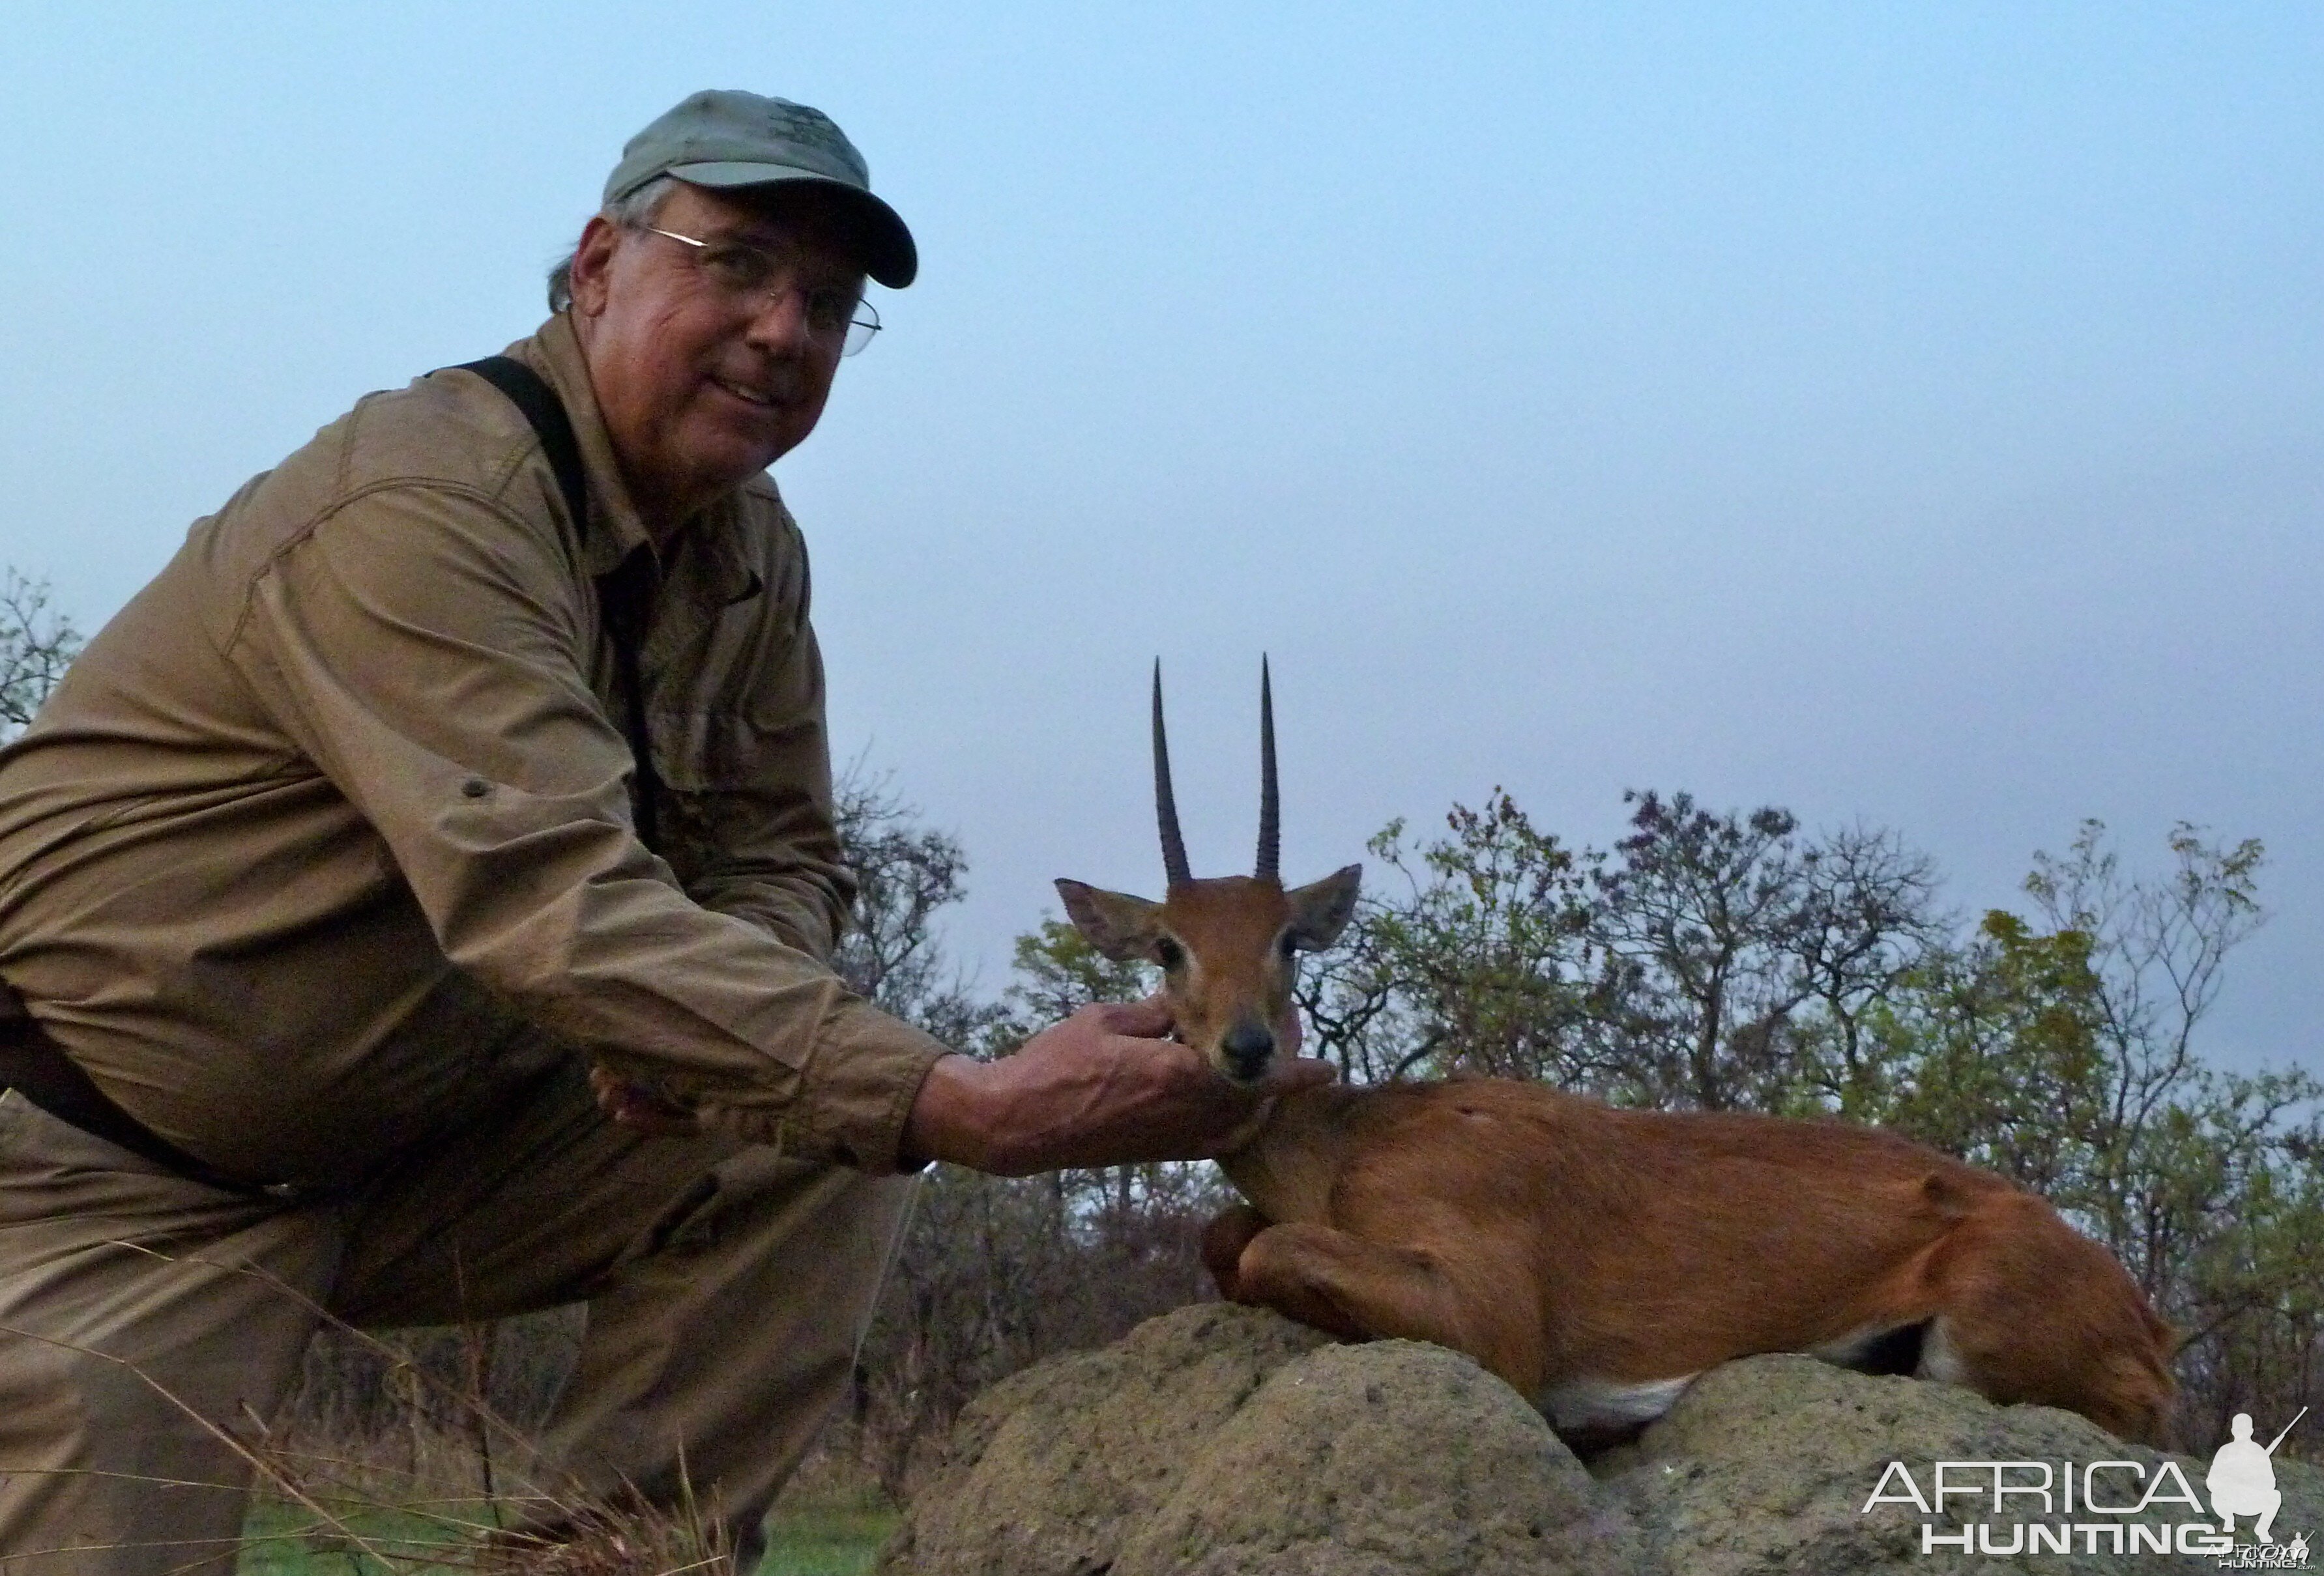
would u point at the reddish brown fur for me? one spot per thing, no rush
(1596, 1256)
(1228, 928)
(1562, 1243)
(1555, 1239)
(1225, 945)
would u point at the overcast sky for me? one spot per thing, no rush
(1909, 415)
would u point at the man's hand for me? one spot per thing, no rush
(1102, 1088)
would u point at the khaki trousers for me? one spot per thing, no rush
(141, 1316)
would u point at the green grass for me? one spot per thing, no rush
(286, 1540)
(835, 1539)
(826, 1541)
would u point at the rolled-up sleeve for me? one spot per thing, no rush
(428, 650)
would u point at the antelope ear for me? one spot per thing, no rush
(1117, 925)
(1321, 909)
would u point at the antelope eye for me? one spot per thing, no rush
(1170, 953)
(1288, 946)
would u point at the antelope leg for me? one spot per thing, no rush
(1224, 1241)
(1361, 1290)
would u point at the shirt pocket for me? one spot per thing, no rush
(724, 753)
(742, 795)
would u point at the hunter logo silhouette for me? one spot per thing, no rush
(2242, 1478)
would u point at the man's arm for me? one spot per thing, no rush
(1102, 1088)
(426, 650)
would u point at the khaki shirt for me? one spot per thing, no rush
(338, 806)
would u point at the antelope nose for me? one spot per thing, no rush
(1248, 1047)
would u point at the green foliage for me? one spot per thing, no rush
(286, 1540)
(1987, 1050)
(1472, 966)
(1058, 971)
(825, 1541)
(1706, 960)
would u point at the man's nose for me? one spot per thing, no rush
(781, 318)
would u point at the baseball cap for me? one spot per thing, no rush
(727, 139)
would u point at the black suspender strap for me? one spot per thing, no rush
(529, 393)
(621, 594)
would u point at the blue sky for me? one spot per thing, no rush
(1911, 415)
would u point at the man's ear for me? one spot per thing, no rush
(1321, 909)
(1117, 925)
(591, 258)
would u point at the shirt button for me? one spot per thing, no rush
(475, 787)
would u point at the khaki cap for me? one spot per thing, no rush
(726, 138)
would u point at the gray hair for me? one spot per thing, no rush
(641, 207)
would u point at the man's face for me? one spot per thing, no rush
(703, 386)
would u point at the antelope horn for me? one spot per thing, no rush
(1165, 803)
(1269, 836)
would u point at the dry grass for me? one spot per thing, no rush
(458, 1487)
(400, 1456)
(373, 1512)
(831, 1521)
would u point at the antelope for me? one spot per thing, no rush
(1597, 1260)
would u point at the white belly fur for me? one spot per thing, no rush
(1939, 1359)
(1579, 1405)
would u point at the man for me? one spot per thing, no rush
(403, 807)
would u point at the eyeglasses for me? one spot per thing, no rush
(833, 313)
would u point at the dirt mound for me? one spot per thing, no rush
(1218, 1440)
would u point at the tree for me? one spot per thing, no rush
(906, 874)
(1059, 973)
(2065, 1059)
(37, 643)
(1716, 961)
(1988, 1050)
(1867, 920)
(1720, 938)
(2209, 1185)
(2158, 948)
(1474, 967)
